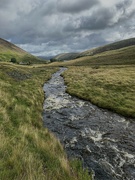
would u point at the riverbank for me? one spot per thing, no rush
(103, 140)
(27, 149)
(110, 87)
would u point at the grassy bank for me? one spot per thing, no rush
(111, 87)
(27, 150)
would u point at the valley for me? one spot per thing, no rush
(82, 128)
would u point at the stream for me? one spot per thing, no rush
(101, 139)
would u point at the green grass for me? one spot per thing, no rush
(27, 149)
(111, 87)
(9, 50)
(25, 58)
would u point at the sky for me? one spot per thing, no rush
(51, 27)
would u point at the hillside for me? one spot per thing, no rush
(9, 50)
(112, 46)
(65, 56)
(108, 54)
(123, 56)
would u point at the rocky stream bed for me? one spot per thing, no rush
(103, 140)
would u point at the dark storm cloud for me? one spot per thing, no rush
(99, 19)
(75, 6)
(54, 26)
(102, 18)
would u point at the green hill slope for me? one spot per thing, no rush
(123, 56)
(9, 50)
(108, 47)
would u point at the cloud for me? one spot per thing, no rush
(103, 17)
(75, 6)
(54, 26)
(99, 19)
(125, 10)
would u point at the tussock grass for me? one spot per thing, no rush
(27, 150)
(111, 87)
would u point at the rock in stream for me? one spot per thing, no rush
(103, 140)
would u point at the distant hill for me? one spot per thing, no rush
(46, 58)
(9, 50)
(65, 57)
(109, 47)
(117, 56)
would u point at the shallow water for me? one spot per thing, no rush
(103, 140)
